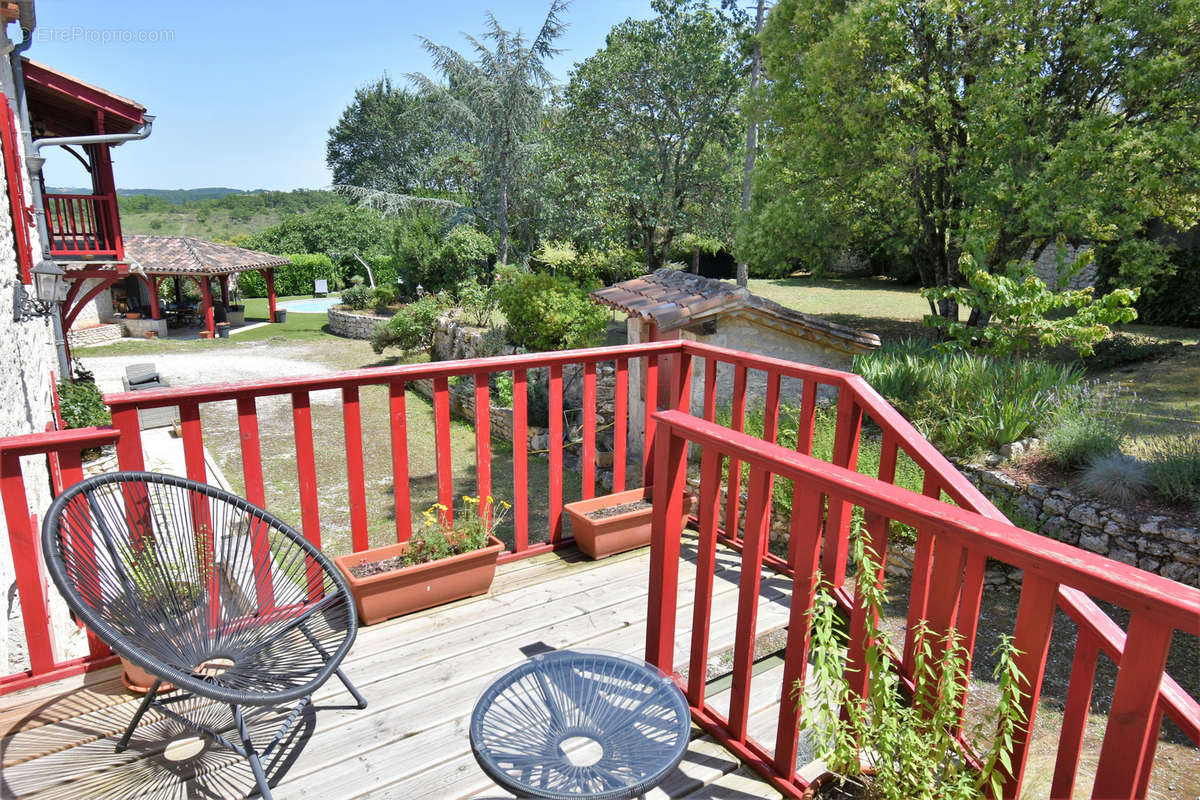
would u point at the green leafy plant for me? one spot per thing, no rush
(1087, 426)
(80, 403)
(1025, 313)
(382, 297)
(357, 296)
(549, 313)
(502, 388)
(440, 537)
(1175, 469)
(964, 402)
(478, 302)
(411, 328)
(909, 744)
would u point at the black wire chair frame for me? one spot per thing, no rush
(206, 592)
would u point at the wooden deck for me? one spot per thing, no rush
(421, 675)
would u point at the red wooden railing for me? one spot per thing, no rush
(83, 226)
(64, 449)
(952, 543)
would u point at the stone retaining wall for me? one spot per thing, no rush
(1165, 545)
(97, 334)
(351, 325)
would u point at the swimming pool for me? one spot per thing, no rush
(315, 305)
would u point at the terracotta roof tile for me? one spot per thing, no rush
(671, 298)
(183, 255)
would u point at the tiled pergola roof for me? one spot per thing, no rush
(672, 299)
(184, 255)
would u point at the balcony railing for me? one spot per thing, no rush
(955, 539)
(83, 226)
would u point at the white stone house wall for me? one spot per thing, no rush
(27, 359)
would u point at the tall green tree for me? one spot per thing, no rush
(975, 131)
(391, 139)
(496, 93)
(649, 128)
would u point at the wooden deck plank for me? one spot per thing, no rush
(421, 674)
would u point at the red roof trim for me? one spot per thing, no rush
(76, 89)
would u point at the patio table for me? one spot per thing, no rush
(572, 724)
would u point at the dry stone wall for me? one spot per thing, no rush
(351, 325)
(1167, 545)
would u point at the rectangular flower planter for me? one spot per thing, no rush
(402, 591)
(617, 533)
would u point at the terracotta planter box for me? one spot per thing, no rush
(390, 594)
(619, 532)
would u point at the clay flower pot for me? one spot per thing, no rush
(402, 591)
(137, 680)
(132, 315)
(151, 334)
(601, 535)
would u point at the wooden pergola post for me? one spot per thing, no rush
(152, 286)
(269, 274)
(206, 294)
(224, 291)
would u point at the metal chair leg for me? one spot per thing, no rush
(358, 698)
(260, 777)
(142, 709)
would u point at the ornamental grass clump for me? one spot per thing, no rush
(1174, 467)
(1088, 425)
(896, 747)
(1116, 478)
(967, 403)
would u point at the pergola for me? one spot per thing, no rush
(154, 259)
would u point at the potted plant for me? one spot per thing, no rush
(444, 561)
(891, 743)
(614, 523)
(169, 588)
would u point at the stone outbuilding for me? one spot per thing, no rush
(674, 304)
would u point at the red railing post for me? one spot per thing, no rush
(1133, 719)
(1031, 638)
(667, 527)
(520, 461)
(31, 581)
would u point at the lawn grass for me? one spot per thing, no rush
(1168, 399)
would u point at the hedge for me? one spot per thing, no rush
(291, 280)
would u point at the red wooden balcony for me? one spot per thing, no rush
(84, 226)
(695, 592)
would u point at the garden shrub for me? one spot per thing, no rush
(416, 250)
(1025, 313)
(912, 738)
(412, 326)
(502, 388)
(382, 297)
(1085, 429)
(965, 403)
(295, 279)
(80, 403)
(1116, 478)
(1175, 469)
(1125, 348)
(477, 301)
(1170, 296)
(357, 296)
(549, 313)
(465, 253)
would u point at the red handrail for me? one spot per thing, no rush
(45, 663)
(1158, 606)
(83, 225)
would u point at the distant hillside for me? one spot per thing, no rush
(217, 217)
(174, 196)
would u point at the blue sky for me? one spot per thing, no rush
(245, 93)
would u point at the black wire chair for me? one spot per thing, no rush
(568, 725)
(204, 591)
